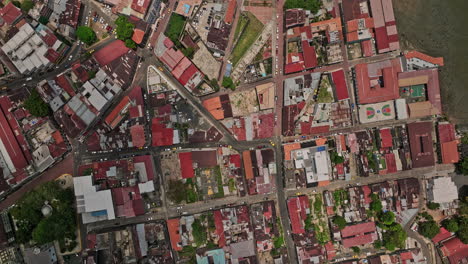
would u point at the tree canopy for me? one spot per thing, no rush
(376, 204)
(450, 224)
(228, 83)
(33, 225)
(312, 5)
(35, 105)
(340, 222)
(433, 206)
(124, 29)
(174, 192)
(86, 34)
(394, 237)
(27, 5)
(428, 229)
(462, 166)
(129, 43)
(387, 218)
(199, 233)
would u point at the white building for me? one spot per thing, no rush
(442, 190)
(27, 50)
(93, 205)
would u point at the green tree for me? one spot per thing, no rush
(35, 105)
(462, 232)
(387, 218)
(175, 27)
(228, 83)
(356, 250)
(394, 237)
(129, 43)
(124, 28)
(176, 191)
(199, 233)
(43, 20)
(451, 224)
(376, 204)
(16, 3)
(33, 225)
(214, 84)
(428, 229)
(27, 5)
(340, 222)
(462, 166)
(335, 158)
(377, 244)
(188, 52)
(86, 34)
(433, 206)
(312, 5)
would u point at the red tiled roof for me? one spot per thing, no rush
(10, 13)
(366, 47)
(173, 230)
(420, 137)
(450, 152)
(378, 93)
(188, 74)
(171, 57)
(140, 6)
(52, 55)
(340, 84)
(446, 132)
(442, 235)
(80, 72)
(386, 139)
(455, 250)
(391, 163)
(406, 255)
(218, 219)
(186, 165)
(247, 164)
(416, 54)
(138, 35)
(9, 135)
(294, 215)
(236, 160)
(229, 16)
(110, 52)
(358, 229)
(62, 81)
(138, 135)
(310, 58)
(161, 135)
(293, 67)
(181, 67)
(114, 117)
(358, 240)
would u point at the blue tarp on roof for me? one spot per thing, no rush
(186, 8)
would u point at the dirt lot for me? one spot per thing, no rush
(170, 166)
(244, 103)
(206, 62)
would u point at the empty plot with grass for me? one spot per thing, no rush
(247, 38)
(175, 27)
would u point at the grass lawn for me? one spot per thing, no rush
(243, 20)
(175, 27)
(247, 38)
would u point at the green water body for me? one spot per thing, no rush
(440, 28)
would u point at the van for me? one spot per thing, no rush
(29, 78)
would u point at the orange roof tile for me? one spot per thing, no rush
(288, 148)
(173, 230)
(138, 35)
(450, 152)
(416, 54)
(247, 164)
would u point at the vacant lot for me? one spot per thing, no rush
(247, 38)
(175, 27)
